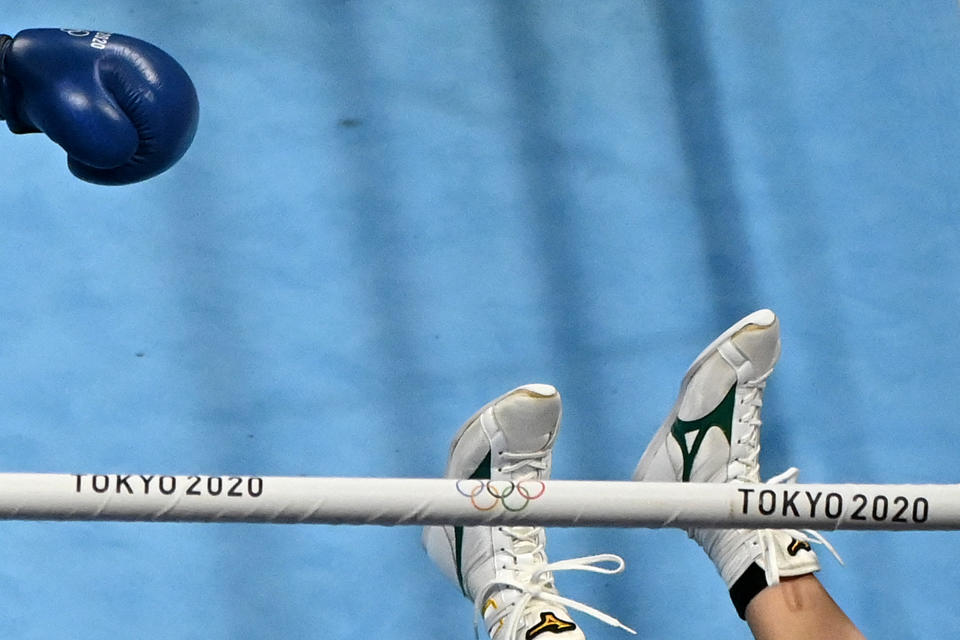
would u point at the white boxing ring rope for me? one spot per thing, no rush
(405, 501)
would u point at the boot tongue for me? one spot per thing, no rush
(529, 418)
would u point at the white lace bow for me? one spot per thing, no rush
(539, 587)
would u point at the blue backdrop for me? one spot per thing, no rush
(394, 212)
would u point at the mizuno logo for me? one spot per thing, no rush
(796, 546)
(549, 622)
(721, 418)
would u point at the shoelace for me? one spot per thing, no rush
(536, 461)
(754, 401)
(807, 535)
(724, 544)
(533, 575)
(539, 587)
(751, 473)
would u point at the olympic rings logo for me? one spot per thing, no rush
(513, 496)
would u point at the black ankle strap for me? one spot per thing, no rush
(747, 586)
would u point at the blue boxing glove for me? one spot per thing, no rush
(123, 110)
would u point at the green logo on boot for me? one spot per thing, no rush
(721, 418)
